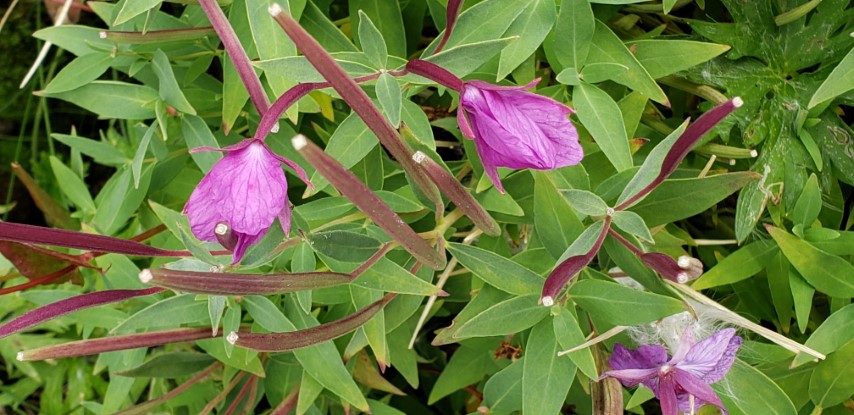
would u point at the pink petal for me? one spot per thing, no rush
(632, 377)
(701, 391)
(667, 397)
(710, 359)
(644, 357)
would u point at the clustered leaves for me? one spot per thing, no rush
(526, 166)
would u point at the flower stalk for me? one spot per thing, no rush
(283, 342)
(69, 305)
(569, 268)
(113, 343)
(29, 234)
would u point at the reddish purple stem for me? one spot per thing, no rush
(237, 55)
(451, 14)
(69, 305)
(570, 267)
(30, 234)
(435, 73)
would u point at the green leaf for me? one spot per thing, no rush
(387, 276)
(601, 116)
(387, 16)
(266, 314)
(390, 98)
(556, 223)
(651, 167)
(621, 305)
(102, 152)
(828, 273)
(469, 364)
(170, 91)
(464, 59)
(372, 41)
(179, 225)
(272, 42)
(118, 200)
(840, 81)
(667, 203)
(170, 366)
(574, 33)
(632, 223)
(72, 185)
(506, 317)
(241, 359)
(326, 32)
(502, 392)
(665, 57)
(832, 381)
(835, 331)
(744, 263)
(595, 73)
(112, 99)
(532, 26)
(169, 312)
(486, 20)
(586, 203)
(139, 156)
(606, 47)
(324, 362)
(197, 134)
(569, 335)
(132, 8)
(750, 391)
(546, 378)
(344, 246)
(496, 270)
(349, 144)
(569, 76)
(79, 72)
(808, 205)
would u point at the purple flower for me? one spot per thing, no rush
(245, 190)
(517, 129)
(688, 373)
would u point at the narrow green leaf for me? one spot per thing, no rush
(102, 152)
(464, 59)
(496, 270)
(390, 98)
(139, 155)
(835, 331)
(72, 186)
(170, 366)
(601, 116)
(507, 317)
(502, 392)
(169, 312)
(840, 81)
(606, 47)
(808, 205)
(372, 41)
(469, 364)
(632, 223)
(750, 391)
(574, 33)
(609, 301)
(388, 19)
(170, 91)
(132, 8)
(197, 134)
(832, 382)
(828, 273)
(112, 99)
(79, 72)
(546, 378)
(556, 223)
(569, 335)
(665, 57)
(349, 144)
(532, 26)
(584, 202)
(744, 263)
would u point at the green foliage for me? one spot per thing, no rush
(773, 228)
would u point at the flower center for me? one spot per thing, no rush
(664, 370)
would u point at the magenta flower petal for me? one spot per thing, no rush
(702, 392)
(667, 396)
(247, 190)
(710, 359)
(517, 129)
(644, 357)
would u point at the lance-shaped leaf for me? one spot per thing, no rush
(458, 194)
(237, 54)
(368, 202)
(69, 305)
(30, 234)
(113, 343)
(159, 36)
(358, 100)
(218, 283)
(54, 213)
(567, 269)
(684, 144)
(283, 342)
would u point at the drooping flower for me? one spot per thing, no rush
(517, 129)
(693, 367)
(241, 196)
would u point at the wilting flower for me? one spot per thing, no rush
(241, 196)
(688, 373)
(517, 129)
